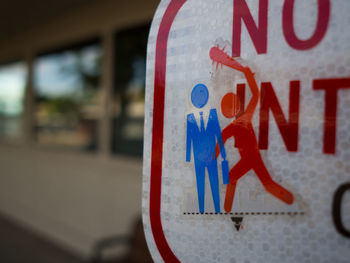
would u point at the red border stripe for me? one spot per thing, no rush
(157, 132)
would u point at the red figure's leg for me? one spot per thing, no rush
(270, 185)
(240, 169)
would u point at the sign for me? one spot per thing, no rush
(247, 131)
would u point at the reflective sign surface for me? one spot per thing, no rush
(247, 142)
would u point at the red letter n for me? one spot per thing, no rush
(289, 130)
(258, 34)
(331, 87)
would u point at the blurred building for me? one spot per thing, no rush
(72, 76)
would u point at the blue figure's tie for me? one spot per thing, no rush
(202, 123)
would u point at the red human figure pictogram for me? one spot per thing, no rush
(242, 130)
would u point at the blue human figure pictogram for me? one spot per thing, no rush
(204, 141)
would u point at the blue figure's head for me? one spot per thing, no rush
(199, 96)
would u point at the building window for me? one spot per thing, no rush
(129, 91)
(12, 89)
(67, 96)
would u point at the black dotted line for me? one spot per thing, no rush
(248, 213)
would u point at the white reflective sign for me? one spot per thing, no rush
(247, 142)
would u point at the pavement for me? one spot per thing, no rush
(20, 245)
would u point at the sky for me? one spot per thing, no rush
(54, 73)
(12, 88)
(49, 78)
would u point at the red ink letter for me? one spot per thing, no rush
(321, 27)
(258, 34)
(331, 87)
(289, 130)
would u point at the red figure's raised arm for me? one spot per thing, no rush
(249, 112)
(220, 57)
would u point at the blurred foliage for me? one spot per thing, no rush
(88, 77)
(63, 105)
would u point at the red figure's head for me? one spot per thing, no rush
(230, 105)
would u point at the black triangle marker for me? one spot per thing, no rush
(237, 221)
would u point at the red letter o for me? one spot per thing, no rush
(320, 31)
